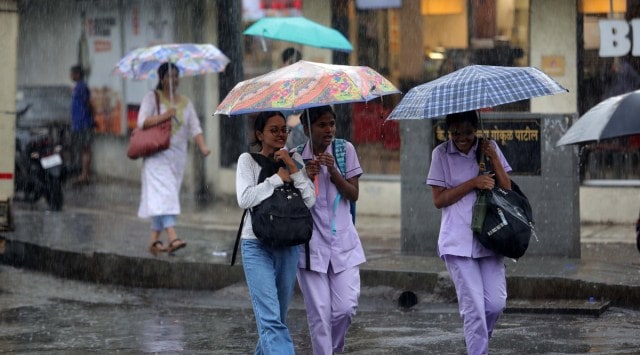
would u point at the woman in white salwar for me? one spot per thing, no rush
(162, 172)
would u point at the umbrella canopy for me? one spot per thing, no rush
(192, 59)
(614, 117)
(299, 30)
(305, 84)
(474, 87)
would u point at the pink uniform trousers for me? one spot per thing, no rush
(331, 301)
(481, 287)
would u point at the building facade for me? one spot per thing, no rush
(409, 41)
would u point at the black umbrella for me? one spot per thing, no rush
(616, 116)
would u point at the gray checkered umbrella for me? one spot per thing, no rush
(474, 87)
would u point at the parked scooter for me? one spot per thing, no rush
(39, 168)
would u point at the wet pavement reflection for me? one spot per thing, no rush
(40, 313)
(98, 237)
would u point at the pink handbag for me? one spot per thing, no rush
(151, 140)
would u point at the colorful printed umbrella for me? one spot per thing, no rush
(299, 30)
(192, 59)
(305, 84)
(614, 117)
(474, 87)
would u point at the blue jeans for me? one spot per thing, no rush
(271, 275)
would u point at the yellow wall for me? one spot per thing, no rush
(450, 31)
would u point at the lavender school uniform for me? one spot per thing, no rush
(456, 237)
(343, 250)
(477, 273)
(332, 288)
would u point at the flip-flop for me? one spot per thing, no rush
(156, 247)
(172, 247)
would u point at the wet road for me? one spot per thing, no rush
(40, 313)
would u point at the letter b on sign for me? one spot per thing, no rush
(614, 38)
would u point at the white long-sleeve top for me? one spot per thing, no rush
(250, 193)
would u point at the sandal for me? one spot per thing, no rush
(175, 245)
(156, 247)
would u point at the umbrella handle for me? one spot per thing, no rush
(263, 43)
(315, 179)
(481, 163)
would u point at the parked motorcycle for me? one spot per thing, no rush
(39, 166)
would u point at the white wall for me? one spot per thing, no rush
(609, 204)
(49, 33)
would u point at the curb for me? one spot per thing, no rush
(143, 272)
(109, 268)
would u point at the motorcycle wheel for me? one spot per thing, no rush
(32, 186)
(54, 194)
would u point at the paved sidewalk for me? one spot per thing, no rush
(97, 237)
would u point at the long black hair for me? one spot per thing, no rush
(162, 71)
(260, 122)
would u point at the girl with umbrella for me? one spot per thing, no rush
(162, 172)
(477, 273)
(331, 286)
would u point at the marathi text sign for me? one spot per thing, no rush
(518, 139)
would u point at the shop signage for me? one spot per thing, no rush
(614, 38)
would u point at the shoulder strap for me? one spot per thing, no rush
(237, 243)
(268, 167)
(340, 154)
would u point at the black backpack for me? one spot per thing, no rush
(283, 219)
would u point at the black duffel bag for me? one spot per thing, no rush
(508, 223)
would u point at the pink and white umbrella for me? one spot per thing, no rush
(192, 59)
